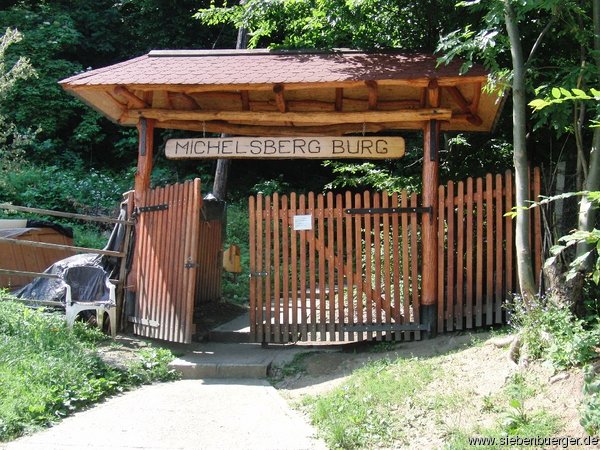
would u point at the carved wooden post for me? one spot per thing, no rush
(431, 175)
(145, 154)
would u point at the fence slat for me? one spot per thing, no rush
(252, 220)
(508, 222)
(451, 261)
(285, 269)
(368, 264)
(350, 281)
(480, 240)
(441, 276)
(339, 265)
(295, 325)
(489, 248)
(304, 312)
(358, 249)
(405, 266)
(321, 253)
(377, 262)
(259, 267)
(460, 247)
(387, 277)
(498, 269)
(469, 254)
(414, 244)
(277, 313)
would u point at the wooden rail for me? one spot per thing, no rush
(49, 212)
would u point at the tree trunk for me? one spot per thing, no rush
(222, 170)
(520, 160)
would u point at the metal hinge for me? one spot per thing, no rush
(409, 210)
(152, 208)
(258, 274)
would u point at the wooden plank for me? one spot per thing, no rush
(499, 269)
(350, 282)
(312, 267)
(451, 258)
(26, 243)
(295, 329)
(303, 285)
(508, 225)
(377, 263)
(331, 266)
(50, 212)
(398, 306)
(469, 253)
(285, 269)
(23, 273)
(319, 218)
(416, 268)
(368, 264)
(252, 220)
(261, 328)
(442, 296)
(460, 261)
(193, 253)
(160, 294)
(405, 265)
(358, 280)
(268, 251)
(489, 248)
(317, 117)
(277, 313)
(387, 262)
(339, 269)
(480, 242)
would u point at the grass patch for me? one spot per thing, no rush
(513, 418)
(48, 371)
(360, 413)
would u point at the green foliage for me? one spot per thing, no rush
(559, 95)
(550, 331)
(590, 411)
(327, 24)
(368, 175)
(359, 414)
(236, 287)
(48, 370)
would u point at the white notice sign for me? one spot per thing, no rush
(303, 222)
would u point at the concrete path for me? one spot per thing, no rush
(187, 414)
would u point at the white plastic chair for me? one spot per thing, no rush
(89, 289)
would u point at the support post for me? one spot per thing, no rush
(145, 155)
(431, 175)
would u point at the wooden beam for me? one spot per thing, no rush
(465, 107)
(373, 94)
(429, 221)
(49, 212)
(279, 98)
(323, 118)
(186, 100)
(245, 98)
(433, 93)
(60, 247)
(257, 130)
(339, 99)
(145, 155)
(131, 98)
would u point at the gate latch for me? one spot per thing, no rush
(190, 264)
(258, 274)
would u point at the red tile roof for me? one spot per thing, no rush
(222, 67)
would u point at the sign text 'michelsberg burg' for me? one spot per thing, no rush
(363, 147)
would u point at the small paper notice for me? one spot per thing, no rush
(303, 222)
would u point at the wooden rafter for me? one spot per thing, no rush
(187, 100)
(433, 93)
(464, 106)
(279, 98)
(339, 99)
(373, 94)
(320, 117)
(131, 98)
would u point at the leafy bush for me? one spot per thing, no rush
(551, 331)
(236, 288)
(590, 412)
(49, 370)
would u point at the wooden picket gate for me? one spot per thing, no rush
(352, 275)
(347, 267)
(166, 261)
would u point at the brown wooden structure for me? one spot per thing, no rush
(263, 93)
(357, 273)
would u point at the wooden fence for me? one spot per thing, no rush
(347, 266)
(476, 261)
(351, 275)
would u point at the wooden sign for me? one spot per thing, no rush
(363, 147)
